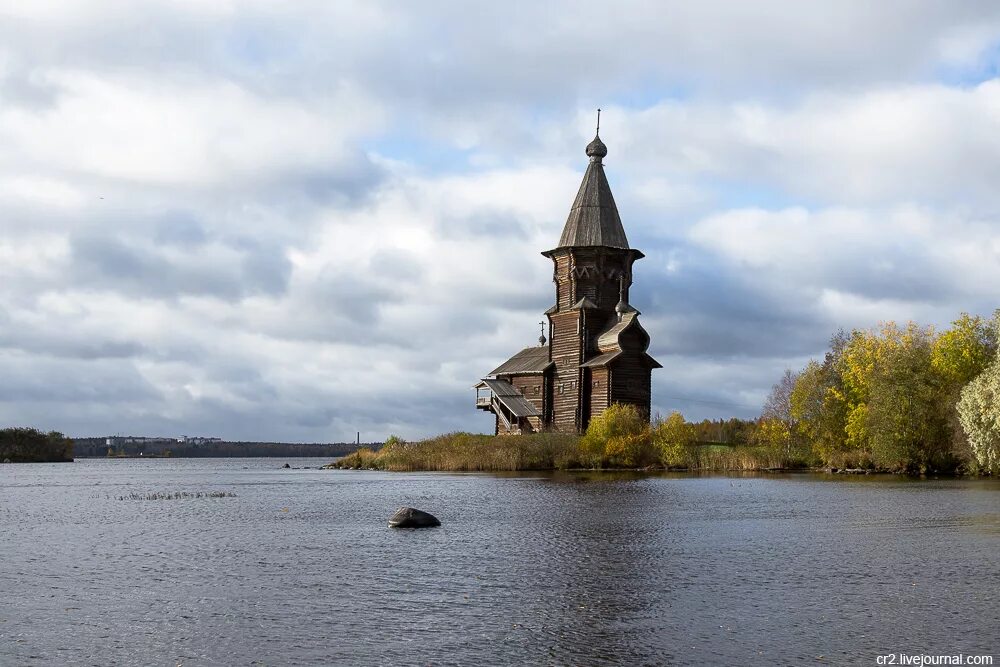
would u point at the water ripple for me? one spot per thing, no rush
(299, 568)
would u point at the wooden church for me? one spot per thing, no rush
(595, 354)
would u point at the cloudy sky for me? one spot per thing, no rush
(298, 220)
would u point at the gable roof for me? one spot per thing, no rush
(528, 361)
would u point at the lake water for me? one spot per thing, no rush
(300, 569)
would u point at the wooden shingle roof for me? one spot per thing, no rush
(528, 361)
(593, 219)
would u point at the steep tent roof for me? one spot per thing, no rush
(593, 219)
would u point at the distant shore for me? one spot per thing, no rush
(28, 445)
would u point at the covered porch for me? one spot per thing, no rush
(515, 414)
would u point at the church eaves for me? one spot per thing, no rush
(593, 219)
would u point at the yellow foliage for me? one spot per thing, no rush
(773, 433)
(857, 425)
(673, 438)
(619, 437)
(965, 350)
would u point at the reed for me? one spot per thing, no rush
(739, 457)
(176, 495)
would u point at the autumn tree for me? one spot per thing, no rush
(979, 412)
(965, 350)
(889, 397)
(905, 425)
(818, 405)
(959, 355)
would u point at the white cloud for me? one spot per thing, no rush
(264, 220)
(192, 133)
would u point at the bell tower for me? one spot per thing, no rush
(592, 272)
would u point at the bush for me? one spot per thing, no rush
(672, 439)
(618, 437)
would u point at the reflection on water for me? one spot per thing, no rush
(626, 568)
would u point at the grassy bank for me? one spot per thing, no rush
(469, 452)
(466, 452)
(619, 439)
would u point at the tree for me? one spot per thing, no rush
(893, 397)
(672, 438)
(887, 397)
(959, 355)
(964, 351)
(778, 404)
(979, 412)
(819, 409)
(905, 425)
(775, 434)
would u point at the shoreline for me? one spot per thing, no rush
(840, 472)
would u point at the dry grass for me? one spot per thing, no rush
(739, 457)
(467, 452)
(471, 452)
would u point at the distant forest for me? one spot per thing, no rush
(91, 447)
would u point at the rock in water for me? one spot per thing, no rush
(408, 517)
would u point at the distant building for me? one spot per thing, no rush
(118, 440)
(197, 440)
(597, 354)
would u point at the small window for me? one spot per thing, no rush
(597, 383)
(538, 388)
(562, 388)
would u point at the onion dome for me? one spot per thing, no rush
(596, 149)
